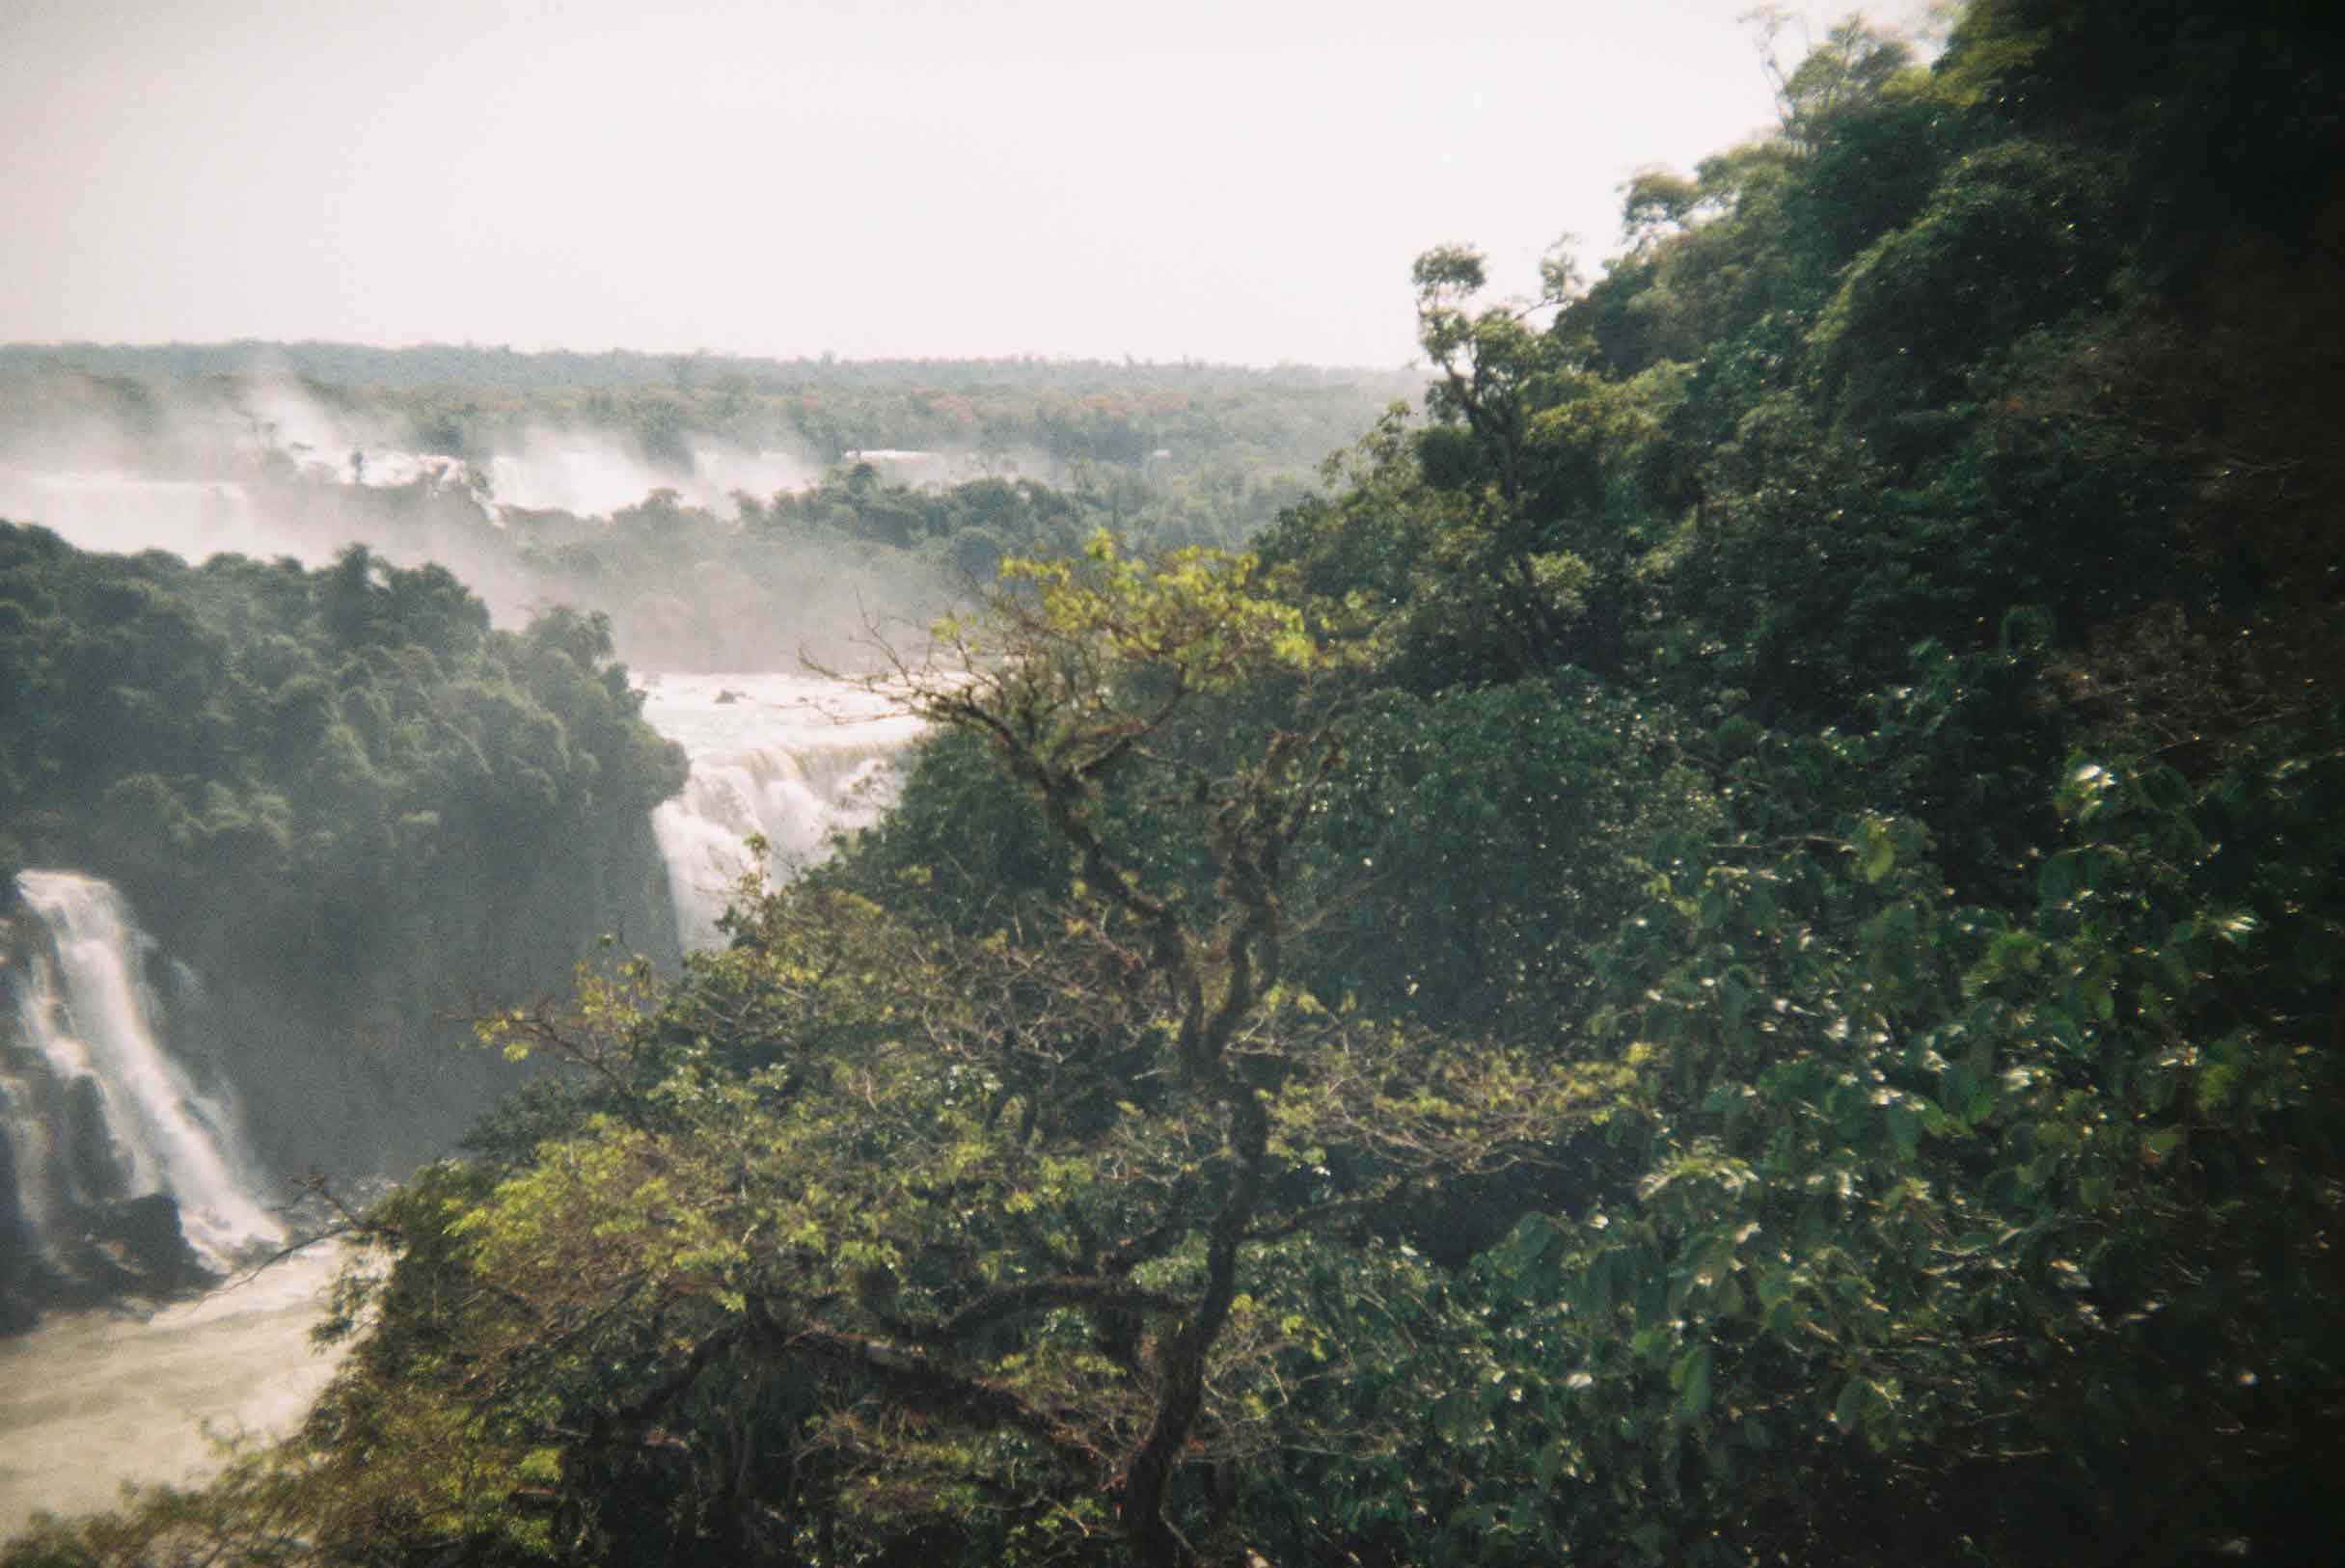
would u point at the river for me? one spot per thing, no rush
(88, 1400)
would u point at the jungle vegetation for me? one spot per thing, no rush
(468, 401)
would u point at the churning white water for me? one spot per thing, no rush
(792, 758)
(88, 1400)
(93, 1019)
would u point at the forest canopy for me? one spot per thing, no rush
(341, 798)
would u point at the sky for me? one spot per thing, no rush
(1242, 181)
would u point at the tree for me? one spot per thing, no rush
(1500, 550)
(1009, 1226)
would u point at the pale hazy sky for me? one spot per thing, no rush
(1241, 181)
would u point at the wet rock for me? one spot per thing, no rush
(140, 1238)
(95, 1166)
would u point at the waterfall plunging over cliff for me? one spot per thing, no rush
(98, 1113)
(792, 758)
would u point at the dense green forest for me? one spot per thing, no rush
(447, 366)
(1726, 953)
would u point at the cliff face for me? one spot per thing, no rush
(163, 1094)
(371, 1068)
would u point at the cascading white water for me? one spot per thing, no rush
(89, 1399)
(793, 759)
(32, 1156)
(92, 1020)
(105, 511)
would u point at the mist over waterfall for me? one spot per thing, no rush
(791, 759)
(99, 1114)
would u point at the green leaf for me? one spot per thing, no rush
(1692, 1377)
(2061, 878)
(1850, 1408)
(1880, 851)
(1904, 1129)
(2166, 789)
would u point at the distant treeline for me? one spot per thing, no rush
(469, 402)
(472, 364)
(1161, 456)
(813, 572)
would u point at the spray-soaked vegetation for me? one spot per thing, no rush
(812, 573)
(1728, 953)
(337, 793)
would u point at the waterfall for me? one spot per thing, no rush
(794, 760)
(126, 512)
(103, 1111)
